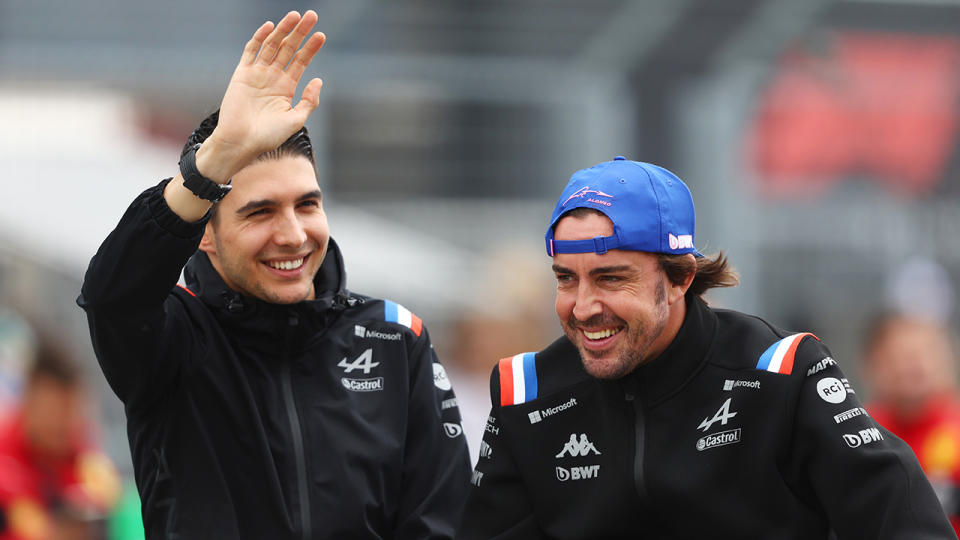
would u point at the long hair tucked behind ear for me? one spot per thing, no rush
(710, 271)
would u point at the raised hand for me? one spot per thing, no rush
(257, 113)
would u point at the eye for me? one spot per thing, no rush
(310, 203)
(564, 278)
(260, 212)
(610, 279)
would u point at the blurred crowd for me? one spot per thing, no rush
(55, 482)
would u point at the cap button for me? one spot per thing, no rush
(619, 158)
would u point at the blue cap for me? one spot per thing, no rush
(651, 209)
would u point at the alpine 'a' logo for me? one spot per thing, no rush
(722, 415)
(364, 362)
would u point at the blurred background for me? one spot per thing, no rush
(819, 138)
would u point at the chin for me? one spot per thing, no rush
(608, 366)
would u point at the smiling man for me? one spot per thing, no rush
(265, 399)
(656, 416)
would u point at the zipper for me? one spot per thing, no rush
(297, 433)
(639, 430)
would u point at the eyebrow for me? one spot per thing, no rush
(594, 272)
(263, 203)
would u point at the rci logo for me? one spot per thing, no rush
(831, 390)
(578, 473)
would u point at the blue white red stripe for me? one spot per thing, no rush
(395, 313)
(518, 379)
(778, 358)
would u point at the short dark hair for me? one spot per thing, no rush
(298, 144)
(710, 271)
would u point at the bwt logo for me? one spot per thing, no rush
(680, 241)
(578, 473)
(865, 436)
(584, 191)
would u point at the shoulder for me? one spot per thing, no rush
(748, 342)
(527, 376)
(384, 319)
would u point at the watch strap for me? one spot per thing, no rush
(200, 185)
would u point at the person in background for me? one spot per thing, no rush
(909, 363)
(54, 483)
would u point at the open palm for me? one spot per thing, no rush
(257, 113)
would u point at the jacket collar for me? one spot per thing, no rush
(682, 359)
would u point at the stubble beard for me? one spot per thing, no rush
(632, 351)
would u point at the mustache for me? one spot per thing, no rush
(599, 320)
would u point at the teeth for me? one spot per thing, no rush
(601, 334)
(287, 265)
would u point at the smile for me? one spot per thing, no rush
(286, 265)
(602, 334)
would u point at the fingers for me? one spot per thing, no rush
(252, 46)
(292, 42)
(309, 100)
(270, 46)
(305, 55)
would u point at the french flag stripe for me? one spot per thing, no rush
(394, 312)
(506, 381)
(778, 358)
(529, 376)
(518, 379)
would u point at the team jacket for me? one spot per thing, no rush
(738, 430)
(329, 418)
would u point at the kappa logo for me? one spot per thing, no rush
(440, 377)
(363, 385)
(452, 430)
(723, 415)
(680, 241)
(577, 473)
(833, 390)
(364, 362)
(538, 415)
(577, 448)
(585, 191)
(821, 365)
(864, 436)
(723, 438)
(731, 384)
(361, 331)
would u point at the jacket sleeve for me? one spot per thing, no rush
(867, 481)
(498, 506)
(138, 328)
(436, 468)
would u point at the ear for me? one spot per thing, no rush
(676, 293)
(209, 241)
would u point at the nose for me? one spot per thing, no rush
(586, 304)
(288, 231)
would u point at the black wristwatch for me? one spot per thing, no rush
(200, 185)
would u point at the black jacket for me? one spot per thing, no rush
(321, 419)
(702, 442)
